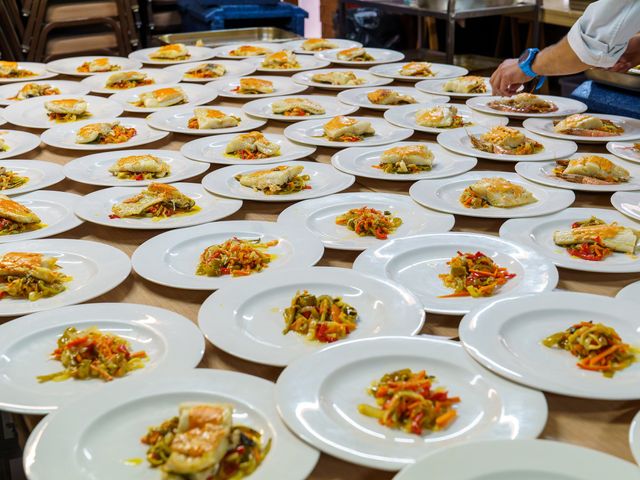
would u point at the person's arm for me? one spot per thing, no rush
(631, 56)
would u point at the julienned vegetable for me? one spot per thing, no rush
(598, 347)
(367, 221)
(235, 257)
(323, 318)
(406, 400)
(474, 275)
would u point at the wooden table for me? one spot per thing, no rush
(601, 425)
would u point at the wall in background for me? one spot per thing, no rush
(312, 25)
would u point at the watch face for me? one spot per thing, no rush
(524, 56)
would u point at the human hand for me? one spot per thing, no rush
(508, 78)
(631, 56)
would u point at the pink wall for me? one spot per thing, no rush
(312, 25)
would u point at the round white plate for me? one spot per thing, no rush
(631, 292)
(55, 210)
(281, 86)
(634, 437)
(322, 407)
(543, 173)
(537, 234)
(319, 217)
(358, 97)
(233, 69)
(380, 56)
(544, 126)
(247, 322)
(416, 262)
(458, 141)
(296, 45)
(444, 195)
(96, 208)
(32, 113)
(19, 142)
(627, 203)
(522, 459)
(197, 54)
(306, 63)
(370, 80)
(94, 169)
(40, 69)
(434, 87)
(223, 52)
(440, 70)
(361, 161)
(196, 95)
(566, 106)
(66, 87)
(211, 150)
(310, 132)
(97, 83)
(325, 180)
(625, 150)
(405, 116)
(107, 425)
(95, 269)
(41, 175)
(171, 258)
(506, 337)
(176, 119)
(171, 341)
(261, 108)
(68, 66)
(64, 135)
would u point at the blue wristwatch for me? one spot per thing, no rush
(526, 60)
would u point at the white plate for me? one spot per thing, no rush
(380, 56)
(223, 52)
(521, 459)
(171, 258)
(361, 161)
(358, 97)
(543, 173)
(39, 68)
(171, 341)
(306, 63)
(66, 87)
(631, 292)
(281, 86)
(310, 132)
(233, 69)
(41, 175)
(107, 425)
(325, 180)
(634, 437)
(262, 108)
(96, 208)
(434, 87)
(64, 135)
(458, 140)
(506, 337)
(55, 210)
(176, 119)
(32, 113)
(211, 150)
(566, 106)
(68, 66)
(319, 217)
(322, 407)
(627, 203)
(441, 70)
(624, 150)
(537, 234)
(93, 169)
(197, 54)
(296, 45)
(405, 116)
(97, 83)
(95, 269)
(304, 78)
(247, 322)
(416, 262)
(544, 126)
(444, 195)
(196, 95)
(19, 142)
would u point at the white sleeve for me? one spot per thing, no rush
(601, 35)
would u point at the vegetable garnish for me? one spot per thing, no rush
(407, 401)
(367, 221)
(322, 318)
(474, 275)
(235, 257)
(92, 354)
(598, 347)
(594, 250)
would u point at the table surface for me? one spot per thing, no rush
(602, 425)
